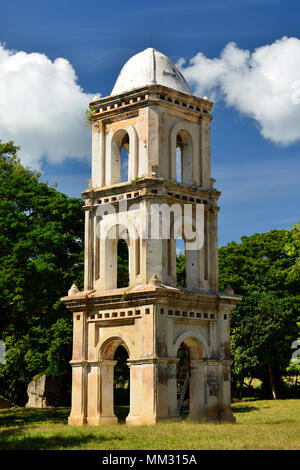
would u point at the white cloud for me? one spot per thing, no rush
(264, 84)
(42, 107)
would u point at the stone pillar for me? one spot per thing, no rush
(79, 394)
(132, 155)
(196, 158)
(197, 390)
(149, 391)
(213, 248)
(205, 151)
(103, 156)
(212, 386)
(107, 414)
(154, 257)
(192, 269)
(161, 372)
(79, 370)
(88, 249)
(201, 265)
(96, 156)
(96, 254)
(135, 391)
(93, 402)
(172, 388)
(225, 392)
(142, 392)
(206, 247)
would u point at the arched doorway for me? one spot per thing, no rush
(119, 166)
(184, 158)
(183, 378)
(121, 383)
(114, 379)
(115, 265)
(190, 375)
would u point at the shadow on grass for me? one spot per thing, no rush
(23, 416)
(15, 440)
(244, 409)
(17, 436)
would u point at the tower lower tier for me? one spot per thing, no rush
(157, 326)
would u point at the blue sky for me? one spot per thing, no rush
(258, 177)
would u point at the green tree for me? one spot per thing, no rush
(180, 269)
(262, 270)
(122, 263)
(260, 328)
(41, 255)
(293, 249)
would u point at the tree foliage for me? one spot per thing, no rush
(122, 263)
(41, 255)
(180, 269)
(263, 270)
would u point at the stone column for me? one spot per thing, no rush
(205, 151)
(79, 370)
(135, 393)
(102, 154)
(212, 390)
(142, 392)
(213, 248)
(107, 414)
(161, 372)
(196, 157)
(93, 391)
(88, 249)
(78, 406)
(197, 390)
(172, 388)
(206, 247)
(96, 254)
(225, 392)
(201, 265)
(97, 137)
(192, 269)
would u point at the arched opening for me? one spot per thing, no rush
(183, 380)
(178, 164)
(121, 383)
(119, 171)
(180, 263)
(137, 256)
(184, 158)
(122, 264)
(124, 158)
(187, 255)
(117, 268)
(114, 379)
(190, 377)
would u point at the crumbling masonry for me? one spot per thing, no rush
(152, 114)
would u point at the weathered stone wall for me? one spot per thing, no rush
(43, 391)
(151, 318)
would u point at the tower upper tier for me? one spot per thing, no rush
(149, 67)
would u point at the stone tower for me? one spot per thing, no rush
(165, 131)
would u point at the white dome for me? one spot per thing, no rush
(149, 67)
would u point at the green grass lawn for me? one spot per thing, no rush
(259, 425)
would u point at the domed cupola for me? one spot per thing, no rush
(149, 67)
